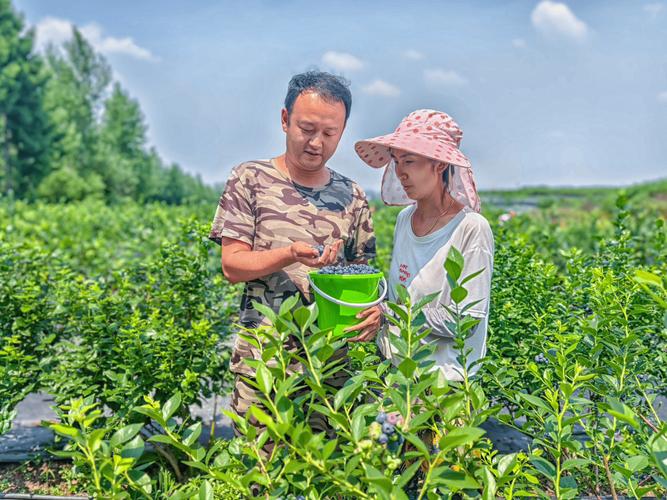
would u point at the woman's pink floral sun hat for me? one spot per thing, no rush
(429, 133)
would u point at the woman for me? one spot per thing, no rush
(425, 170)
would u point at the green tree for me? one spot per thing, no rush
(25, 130)
(75, 99)
(123, 138)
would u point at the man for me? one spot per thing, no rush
(274, 212)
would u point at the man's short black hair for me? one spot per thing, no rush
(329, 87)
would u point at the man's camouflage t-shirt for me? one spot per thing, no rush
(260, 206)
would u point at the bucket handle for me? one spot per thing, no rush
(382, 282)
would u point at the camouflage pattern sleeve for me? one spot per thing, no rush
(235, 217)
(362, 244)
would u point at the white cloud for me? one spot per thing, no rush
(341, 61)
(444, 77)
(382, 88)
(662, 96)
(519, 43)
(415, 55)
(52, 30)
(556, 20)
(56, 31)
(111, 45)
(654, 9)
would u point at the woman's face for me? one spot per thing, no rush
(421, 177)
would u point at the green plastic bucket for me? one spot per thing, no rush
(340, 297)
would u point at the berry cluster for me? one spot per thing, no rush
(349, 269)
(319, 248)
(383, 430)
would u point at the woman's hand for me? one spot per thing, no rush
(372, 320)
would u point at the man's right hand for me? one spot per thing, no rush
(240, 263)
(309, 256)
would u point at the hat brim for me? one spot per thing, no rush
(375, 152)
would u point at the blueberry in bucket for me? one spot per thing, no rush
(348, 269)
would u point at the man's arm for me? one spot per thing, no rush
(241, 263)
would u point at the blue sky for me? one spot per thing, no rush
(546, 92)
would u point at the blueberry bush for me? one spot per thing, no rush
(122, 314)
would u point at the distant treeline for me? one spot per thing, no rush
(69, 132)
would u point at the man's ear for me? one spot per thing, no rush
(440, 167)
(284, 119)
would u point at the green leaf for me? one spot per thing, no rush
(95, 438)
(544, 467)
(574, 463)
(205, 491)
(458, 480)
(637, 463)
(358, 424)
(142, 480)
(191, 434)
(489, 481)
(265, 311)
(658, 446)
(399, 311)
(648, 278)
(64, 430)
(407, 367)
(408, 473)
(536, 401)
(454, 264)
(125, 434)
(417, 443)
(170, 407)
(378, 480)
(197, 465)
(133, 448)
(288, 304)
(506, 464)
(425, 300)
(471, 276)
(460, 436)
(263, 418)
(418, 420)
(305, 316)
(161, 438)
(402, 294)
(264, 379)
(622, 412)
(344, 394)
(149, 412)
(459, 294)
(329, 448)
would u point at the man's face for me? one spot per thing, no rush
(313, 131)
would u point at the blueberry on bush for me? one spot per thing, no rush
(380, 419)
(388, 428)
(374, 430)
(383, 439)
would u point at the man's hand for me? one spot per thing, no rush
(372, 320)
(306, 254)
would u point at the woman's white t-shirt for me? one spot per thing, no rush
(418, 264)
